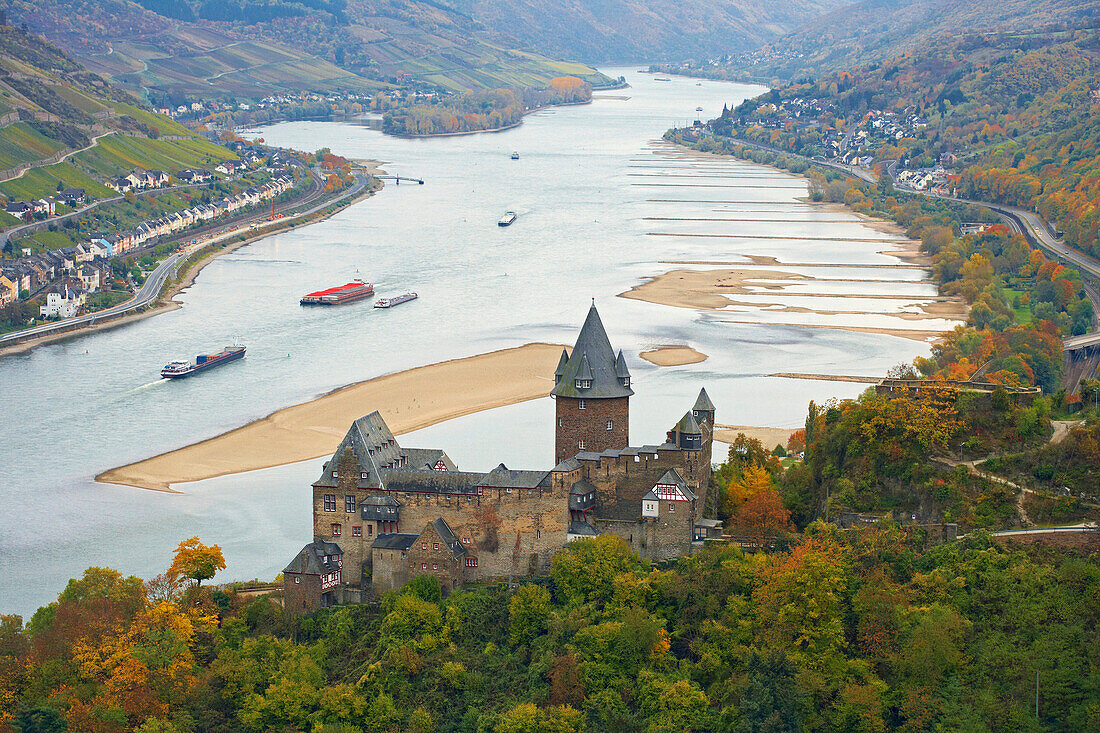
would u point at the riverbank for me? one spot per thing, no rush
(165, 302)
(408, 400)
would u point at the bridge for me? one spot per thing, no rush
(398, 179)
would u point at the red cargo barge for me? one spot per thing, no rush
(355, 290)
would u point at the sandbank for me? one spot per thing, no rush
(673, 355)
(408, 400)
(770, 437)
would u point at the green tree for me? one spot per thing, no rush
(529, 614)
(40, 720)
(772, 700)
(584, 571)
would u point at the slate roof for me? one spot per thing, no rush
(703, 403)
(673, 477)
(375, 450)
(503, 477)
(379, 508)
(427, 458)
(394, 541)
(308, 561)
(593, 359)
(569, 464)
(433, 482)
(453, 543)
(582, 528)
(689, 425)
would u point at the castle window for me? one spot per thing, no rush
(581, 406)
(583, 384)
(538, 534)
(349, 504)
(297, 580)
(356, 531)
(363, 474)
(435, 545)
(471, 562)
(423, 566)
(435, 566)
(336, 474)
(610, 425)
(637, 459)
(625, 381)
(370, 529)
(580, 445)
(559, 422)
(330, 502)
(424, 546)
(335, 530)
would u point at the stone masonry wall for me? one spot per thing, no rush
(430, 556)
(303, 596)
(503, 529)
(573, 425)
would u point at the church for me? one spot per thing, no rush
(384, 513)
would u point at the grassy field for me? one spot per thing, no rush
(117, 155)
(1023, 313)
(163, 125)
(81, 101)
(20, 143)
(39, 182)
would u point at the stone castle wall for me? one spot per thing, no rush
(510, 534)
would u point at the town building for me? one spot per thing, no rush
(398, 512)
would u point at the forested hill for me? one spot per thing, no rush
(644, 30)
(196, 50)
(875, 30)
(879, 29)
(1012, 119)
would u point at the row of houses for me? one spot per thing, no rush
(71, 266)
(33, 272)
(139, 179)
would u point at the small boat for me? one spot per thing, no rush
(396, 300)
(662, 78)
(202, 362)
(698, 109)
(507, 220)
(515, 156)
(346, 293)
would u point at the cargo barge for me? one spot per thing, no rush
(202, 362)
(507, 219)
(396, 300)
(346, 293)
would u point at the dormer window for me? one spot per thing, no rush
(625, 381)
(584, 384)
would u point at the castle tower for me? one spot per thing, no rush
(592, 392)
(703, 413)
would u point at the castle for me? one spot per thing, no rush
(383, 513)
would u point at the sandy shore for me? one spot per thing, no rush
(673, 355)
(704, 288)
(408, 400)
(770, 437)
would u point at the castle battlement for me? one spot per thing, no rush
(383, 513)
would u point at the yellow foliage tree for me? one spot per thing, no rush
(197, 561)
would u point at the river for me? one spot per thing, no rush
(592, 186)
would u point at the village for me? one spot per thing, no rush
(68, 276)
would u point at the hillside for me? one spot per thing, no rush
(51, 107)
(637, 30)
(880, 29)
(202, 51)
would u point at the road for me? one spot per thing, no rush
(150, 290)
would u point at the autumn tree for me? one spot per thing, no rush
(197, 561)
(529, 614)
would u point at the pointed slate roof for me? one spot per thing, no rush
(561, 363)
(703, 403)
(374, 447)
(689, 425)
(592, 359)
